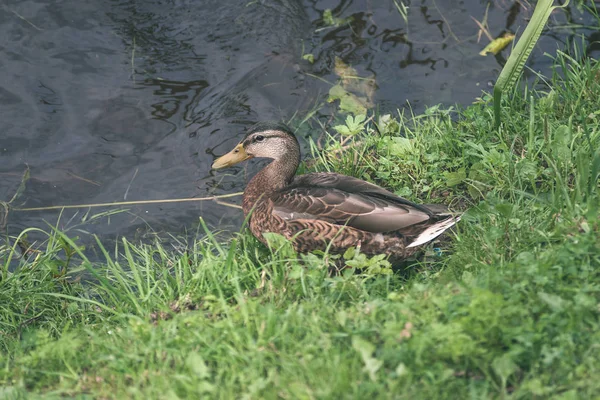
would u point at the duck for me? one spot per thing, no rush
(327, 211)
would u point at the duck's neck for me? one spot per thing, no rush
(275, 176)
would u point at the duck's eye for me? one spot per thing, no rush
(259, 138)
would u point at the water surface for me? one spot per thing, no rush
(112, 100)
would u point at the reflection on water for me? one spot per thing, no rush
(111, 100)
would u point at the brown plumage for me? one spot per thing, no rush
(327, 210)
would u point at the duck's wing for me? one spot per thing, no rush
(348, 201)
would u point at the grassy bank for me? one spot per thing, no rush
(510, 307)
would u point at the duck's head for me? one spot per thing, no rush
(263, 140)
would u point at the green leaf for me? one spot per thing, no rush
(401, 369)
(328, 18)
(398, 146)
(560, 147)
(341, 317)
(296, 272)
(342, 130)
(309, 57)
(349, 253)
(275, 240)
(474, 191)
(504, 367)
(504, 209)
(196, 364)
(388, 124)
(349, 102)
(354, 125)
(455, 178)
(366, 349)
(478, 178)
(517, 59)
(404, 192)
(206, 387)
(555, 302)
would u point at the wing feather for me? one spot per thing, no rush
(348, 201)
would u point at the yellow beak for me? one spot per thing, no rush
(237, 155)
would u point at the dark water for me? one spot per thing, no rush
(112, 100)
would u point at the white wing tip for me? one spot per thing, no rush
(433, 231)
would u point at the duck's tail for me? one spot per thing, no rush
(434, 231)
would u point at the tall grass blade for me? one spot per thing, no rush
(516, 61)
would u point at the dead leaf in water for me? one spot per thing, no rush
(5, 207)
(354, 92)
(498, 44)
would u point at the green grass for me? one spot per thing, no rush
(510, 309)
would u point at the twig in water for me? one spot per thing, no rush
(129, 203)
(133, 61)
(26, 20)
(83, 179)
(446, 21)
(227, 204)
(130, 182)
